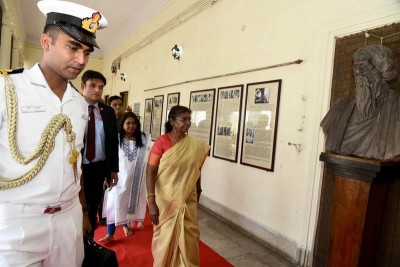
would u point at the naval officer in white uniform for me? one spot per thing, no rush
(42, 125)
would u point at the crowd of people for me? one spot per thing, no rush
(83, 160)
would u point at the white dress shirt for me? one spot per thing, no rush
(37, 105)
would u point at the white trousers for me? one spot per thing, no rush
(36, 239)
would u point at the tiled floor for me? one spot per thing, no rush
(236, 247)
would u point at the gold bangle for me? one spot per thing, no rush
(149, 195)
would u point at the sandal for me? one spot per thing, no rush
(128, 232)
(106, 239)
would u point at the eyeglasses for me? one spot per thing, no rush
(184, 119)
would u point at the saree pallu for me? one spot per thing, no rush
(176, 237)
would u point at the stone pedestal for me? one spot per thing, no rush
(351, 212)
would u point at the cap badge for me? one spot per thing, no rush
(91, 24)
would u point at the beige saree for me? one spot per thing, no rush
(176, 237)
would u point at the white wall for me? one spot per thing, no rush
(237, 35)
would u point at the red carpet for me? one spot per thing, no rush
(136, 249)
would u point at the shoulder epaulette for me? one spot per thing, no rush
(6, 72)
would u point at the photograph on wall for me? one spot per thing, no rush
(172, 100)
(157, 116)
(227, 123)
(260, 124)
(148, 111)
(136, 108)
(202, 106)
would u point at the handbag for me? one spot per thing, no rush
(97, 255)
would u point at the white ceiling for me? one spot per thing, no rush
(124, 18)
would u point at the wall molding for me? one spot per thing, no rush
(281, 244)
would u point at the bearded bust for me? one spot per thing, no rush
(367, 125)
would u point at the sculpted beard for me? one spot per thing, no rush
(369, 89)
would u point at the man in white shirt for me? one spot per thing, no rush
(42, 126)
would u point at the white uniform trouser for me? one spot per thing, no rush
(29, 237)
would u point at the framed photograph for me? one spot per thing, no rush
(260, 124)
(136, 108)
(202, 106)
(148, 112)
(172, 100)
(156, 120)
(227, 124)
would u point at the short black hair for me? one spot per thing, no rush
(112, 98)
(53, 31)
(48, 28)
(92, 74)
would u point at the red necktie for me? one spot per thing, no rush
(90, 142)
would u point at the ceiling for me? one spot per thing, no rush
(124, 18)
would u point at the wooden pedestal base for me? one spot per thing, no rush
(352, 207)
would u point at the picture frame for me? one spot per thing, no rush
(260, 124)
(202, 106)
(172, 100)
(136, 108)
(148, 113)
(227, 122)
(156, 121)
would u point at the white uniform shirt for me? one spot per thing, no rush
(37, 105)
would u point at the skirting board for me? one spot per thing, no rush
(271, 239)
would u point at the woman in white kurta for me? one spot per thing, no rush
(126, 202)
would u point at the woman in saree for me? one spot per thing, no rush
(173, 191)
(125, 203)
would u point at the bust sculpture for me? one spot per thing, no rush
(367, 125)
